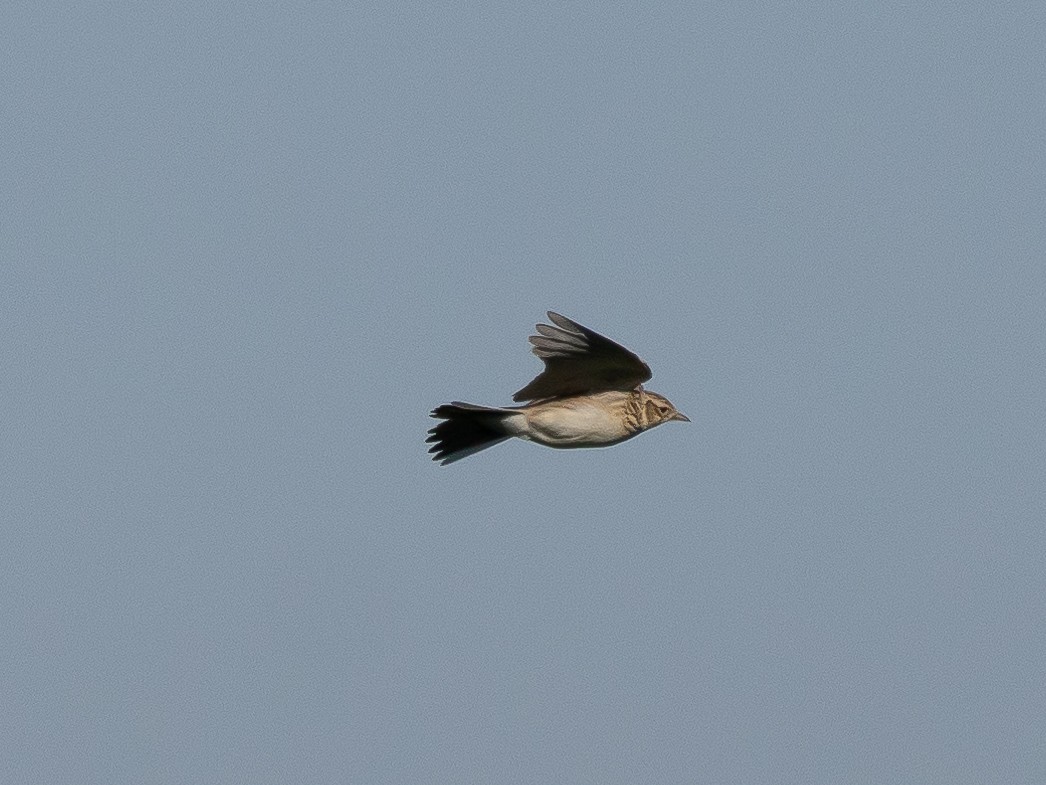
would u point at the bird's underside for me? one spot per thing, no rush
(589, 394)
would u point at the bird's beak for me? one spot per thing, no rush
(681, 417)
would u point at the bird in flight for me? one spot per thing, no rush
(589, 395)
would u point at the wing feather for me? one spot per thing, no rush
(578, 360)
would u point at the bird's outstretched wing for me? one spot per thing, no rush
(579, 361)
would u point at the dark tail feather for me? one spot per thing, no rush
(466, 429)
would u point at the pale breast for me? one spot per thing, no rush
(583, 421)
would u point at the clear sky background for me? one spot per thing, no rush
(247, 247)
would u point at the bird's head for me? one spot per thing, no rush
(658, 409)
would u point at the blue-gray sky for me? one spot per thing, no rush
(247, 247)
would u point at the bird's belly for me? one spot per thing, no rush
(576, 423)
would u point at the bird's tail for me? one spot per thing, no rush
(466, 429)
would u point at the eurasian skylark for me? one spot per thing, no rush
(589, 395)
